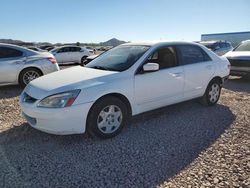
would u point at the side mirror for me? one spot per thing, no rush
(150, 67)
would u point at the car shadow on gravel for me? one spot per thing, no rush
(154, 147)
(238, 84)
(10, 91)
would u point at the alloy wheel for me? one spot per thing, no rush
(29, 76)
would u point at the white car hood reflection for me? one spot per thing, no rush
(66, 80)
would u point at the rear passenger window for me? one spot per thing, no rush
(6, 52)
(192, 54)
(75, 49)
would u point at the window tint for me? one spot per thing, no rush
(6, 52)
(192, 54)
(75, 49)
(165, 57)
(65, 49)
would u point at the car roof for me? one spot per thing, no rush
(158, 43)
(23, 49)
(11, 45)
(212, 42)
(68, 46)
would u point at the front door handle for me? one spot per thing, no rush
(17, 62)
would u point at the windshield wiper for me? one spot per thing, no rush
(99, 67)
(103, 68)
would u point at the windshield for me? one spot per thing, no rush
(245, 46)
(209, 45)
(119, 58)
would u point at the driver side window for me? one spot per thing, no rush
(166, 57)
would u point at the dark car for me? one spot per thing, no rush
(240, 59)
(218, 47)
(89, 59)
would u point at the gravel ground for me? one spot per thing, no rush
(183, 145)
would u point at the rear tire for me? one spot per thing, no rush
(212, 93)
(107, 117)
(27, 75)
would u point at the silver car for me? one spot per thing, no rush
(20, 65)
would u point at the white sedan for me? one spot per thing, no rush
(127, 80)
(71, 54)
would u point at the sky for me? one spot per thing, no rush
(130, 20)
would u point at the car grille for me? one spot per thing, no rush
(239, 63)
(28, 99)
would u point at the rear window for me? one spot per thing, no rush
(192, 54)
(6, 52)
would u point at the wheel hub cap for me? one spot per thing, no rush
(109, 119)
(214, 93)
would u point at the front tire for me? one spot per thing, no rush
(212, 93)
(27, 75)
(107, 117)
(83, 59)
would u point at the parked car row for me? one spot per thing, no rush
(100, 97)
(69, 54)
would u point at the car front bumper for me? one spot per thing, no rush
(239, 71)
(60, 121)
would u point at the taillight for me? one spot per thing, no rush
(52, 60)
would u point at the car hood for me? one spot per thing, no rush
(65, 80)
(238, 55)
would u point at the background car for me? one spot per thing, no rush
(218, 47)
(89, 59)
(91, 49)
(20, 65)
(71, 54)
(36, 49)
(46, 47)
(102, 96)
(240, 59)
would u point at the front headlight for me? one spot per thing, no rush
(59, 100)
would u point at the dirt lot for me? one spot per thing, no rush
(185, 145)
